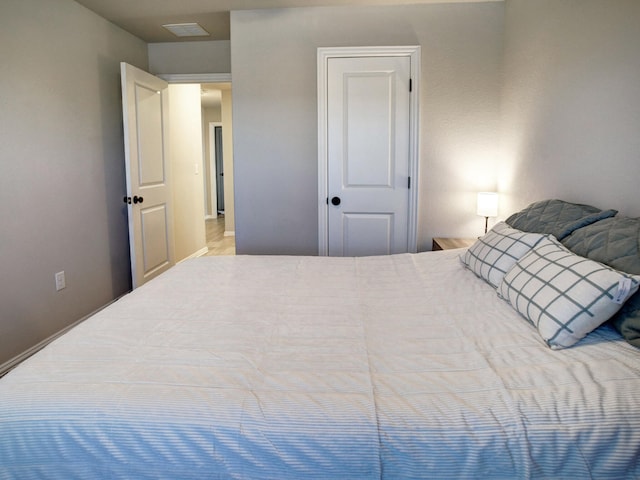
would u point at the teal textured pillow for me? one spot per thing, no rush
(556, 217)
(614, 242)
(565, 296)
(627, 320)
(493, 255)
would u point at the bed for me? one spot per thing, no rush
(402, 366)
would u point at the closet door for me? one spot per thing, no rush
(368, 155)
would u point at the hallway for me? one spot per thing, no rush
(217, 243)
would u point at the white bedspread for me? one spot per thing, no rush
(405, 366)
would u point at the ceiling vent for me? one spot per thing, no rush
(186, 30)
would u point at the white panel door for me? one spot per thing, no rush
(368, 150)
(145, 101)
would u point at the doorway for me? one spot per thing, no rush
(221, 82)
(218, 161)
(214, 170)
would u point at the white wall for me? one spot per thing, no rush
(273, 57)
(61, 166)
(187, 169)
(572, 103)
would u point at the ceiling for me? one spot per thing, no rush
(144, 18)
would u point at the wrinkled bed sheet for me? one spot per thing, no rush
(406, 366)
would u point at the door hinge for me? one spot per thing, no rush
(409, 182)
(410, 85)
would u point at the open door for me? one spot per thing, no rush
(145, 101)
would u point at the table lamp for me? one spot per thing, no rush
(487, 206)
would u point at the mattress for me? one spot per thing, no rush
(403, 366)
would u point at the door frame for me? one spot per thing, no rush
(200, 78)
(195, 77)
(324, 54)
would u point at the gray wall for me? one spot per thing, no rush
(61, 166)
(572, 103)
(273, 60)
(190, 57)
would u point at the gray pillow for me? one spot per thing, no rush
(614, 242)
(627, 320)
(557, 217)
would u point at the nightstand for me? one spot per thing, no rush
(440, 243)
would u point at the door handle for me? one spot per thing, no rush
(335, 201)
(136, 199)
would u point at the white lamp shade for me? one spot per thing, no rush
(487, 204)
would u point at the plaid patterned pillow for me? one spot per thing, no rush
(563, 295)
(494, 254)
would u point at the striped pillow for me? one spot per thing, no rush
(493, 255)
(563, 295)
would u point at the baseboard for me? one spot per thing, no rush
(229, 233)
(197, 254)
(15, 361)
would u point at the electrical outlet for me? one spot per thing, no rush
(61, 282)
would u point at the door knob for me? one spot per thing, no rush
(335, 201)
(137, 199)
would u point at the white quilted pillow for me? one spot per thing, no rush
(563, 295)
(493, 255)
